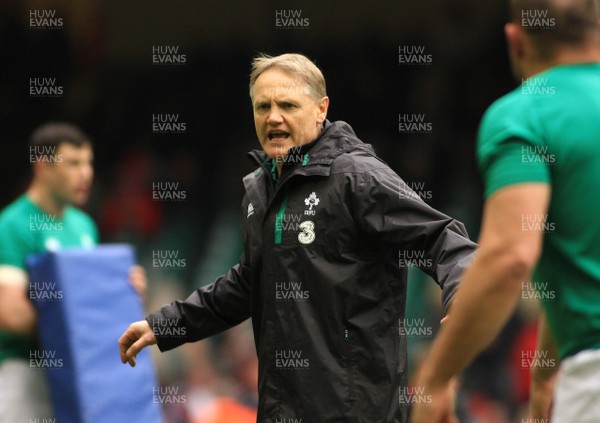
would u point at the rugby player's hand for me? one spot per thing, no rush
(138, 280)
(137, 336)
(439, 408)
(540, 398)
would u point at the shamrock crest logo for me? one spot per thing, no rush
(311, 201)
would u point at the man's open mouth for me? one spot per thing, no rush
(278, 135)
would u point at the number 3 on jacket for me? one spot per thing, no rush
(308, 232)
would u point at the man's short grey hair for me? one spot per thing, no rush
(296, 64)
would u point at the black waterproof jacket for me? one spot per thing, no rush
(323, 276)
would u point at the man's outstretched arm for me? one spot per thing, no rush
(207, 311)
(489, 292)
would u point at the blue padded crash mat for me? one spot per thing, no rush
(84, 303)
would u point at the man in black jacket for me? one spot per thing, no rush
(325, 222)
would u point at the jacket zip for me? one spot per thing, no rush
(278, 232)
(280, 214)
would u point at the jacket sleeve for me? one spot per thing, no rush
(387, 208)
(209, 310)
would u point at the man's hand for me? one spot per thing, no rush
(540, 399)
(137, 336)
(543, 378)
(137, 279)
(441, 407)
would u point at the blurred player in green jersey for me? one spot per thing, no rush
(539, 154)
(45, 218)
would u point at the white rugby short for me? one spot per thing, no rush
(23, 393)
(577, 391)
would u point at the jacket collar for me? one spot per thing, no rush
(316, 157)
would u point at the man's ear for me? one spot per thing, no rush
(40, 169)
(323, 105)
(514, 39)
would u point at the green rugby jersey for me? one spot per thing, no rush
(548, 131)
(25, 229)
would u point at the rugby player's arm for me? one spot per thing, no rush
(17, 313)
(491, 286)
(543, 378)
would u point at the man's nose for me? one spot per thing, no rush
(274, 116)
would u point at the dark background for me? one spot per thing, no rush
(103, 59)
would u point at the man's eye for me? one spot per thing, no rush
(288, 106)
(262, 107)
